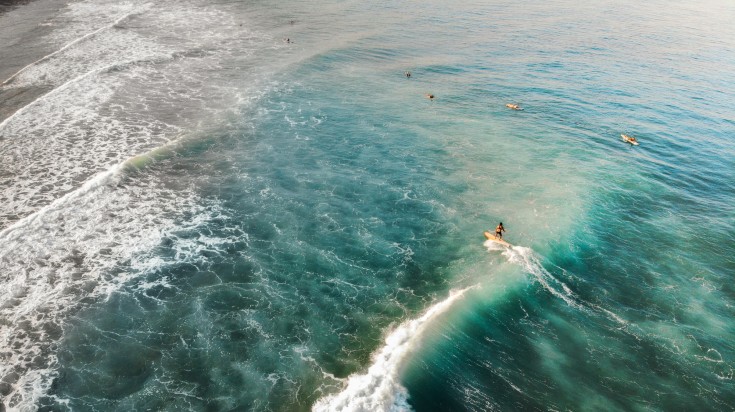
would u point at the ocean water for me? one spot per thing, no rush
(249, 206)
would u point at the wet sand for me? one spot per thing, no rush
(21, 28)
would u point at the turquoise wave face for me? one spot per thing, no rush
(320, 227)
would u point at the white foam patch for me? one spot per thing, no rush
(379, 389)
(49, 155)
(81, 18)
(80, 248)
(83, 53)
(125, 78)
(527, 259)
(130, 78)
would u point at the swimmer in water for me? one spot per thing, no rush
(629, 139)
(429, 96)
(513, 106)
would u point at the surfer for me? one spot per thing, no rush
(430, 96)
(513, 106)
(499, 231)
(629, 139)
(408, 74)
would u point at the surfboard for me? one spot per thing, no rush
(627, 138)
(491, 237)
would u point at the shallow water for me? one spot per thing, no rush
(198, 214)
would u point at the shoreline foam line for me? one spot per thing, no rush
(54, 91)
(72, 81)
(73, 42)
(96, 181)
(40, 299)
(91, 184)
(379, 389)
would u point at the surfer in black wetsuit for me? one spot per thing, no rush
(499, 231)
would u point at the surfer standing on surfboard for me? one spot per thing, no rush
(499, 231)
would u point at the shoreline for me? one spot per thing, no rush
(7, 5)
(21, 43)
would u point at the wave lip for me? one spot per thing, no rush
(379, 389)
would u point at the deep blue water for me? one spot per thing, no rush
(200, 215)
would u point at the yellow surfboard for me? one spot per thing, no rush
(629, 139)
(491, 237)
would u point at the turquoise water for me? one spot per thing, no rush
(230, 221)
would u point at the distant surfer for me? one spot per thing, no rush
(630, 139)
(429, 96)
(513, 106)
(499, 231)
(408, 74)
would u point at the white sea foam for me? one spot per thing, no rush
(75, 226)
(379, 389)
(114, 92)
(48, 155)
(56, 142)
(127, 11)
(82, 247)
(528, 260)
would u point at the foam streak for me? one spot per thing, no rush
(526, 258)
(379, 389)
(16, 230)
(54, 91)
(68, 45)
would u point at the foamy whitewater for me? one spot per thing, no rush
(379, 388)
(252, 206)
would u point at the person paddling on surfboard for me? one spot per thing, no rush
(499, 231)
